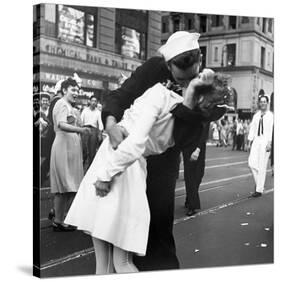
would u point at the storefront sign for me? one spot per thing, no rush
(112, 86)
(54, 78)
(63, 49)
(245, 110)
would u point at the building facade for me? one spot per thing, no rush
(99, 44)
(242, 47)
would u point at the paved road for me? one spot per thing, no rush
(230, 229)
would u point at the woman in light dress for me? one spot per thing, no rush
(216, 134)
(111, 204)
(66, 169)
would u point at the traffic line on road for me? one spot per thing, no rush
(222, 165)
(217, 208)
(207, 167)
(205, 190)
(220, 180)
(76, 255)
(223, 158)
(182, 188)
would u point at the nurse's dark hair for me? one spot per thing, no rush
(263, 96)
(68, 82)
(186, 59)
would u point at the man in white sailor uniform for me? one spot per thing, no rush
(260, 138)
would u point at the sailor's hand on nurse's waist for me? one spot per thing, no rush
(102, 188)
(195, 155)
(116, 133)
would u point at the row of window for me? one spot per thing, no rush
(228, 56)
(77, 25)
(216, 21)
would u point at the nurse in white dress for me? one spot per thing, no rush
(122, 217)
(260, 137)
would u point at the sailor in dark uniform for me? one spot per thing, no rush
(194, 167)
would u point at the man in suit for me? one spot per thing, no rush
(179, 64)
(194, 167)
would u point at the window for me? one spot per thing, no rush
(130, 42)
(188, 21)
(35, 13)
(203, 50)
(270, 21)
(231, 54)
(203, 24)
(217, 21)
(165, 24)
(245, 20)
(76, 26)
(90, 29)
(268, 59)
(176, 25)
(131, 33)
(71, 25)
(262, 57)
(164, 28)
(232, 22)
(36, 20)
(216, 54)
(263, 25)
(189, 24)
(258, 21)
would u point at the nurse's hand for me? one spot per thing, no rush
(115, 132)
(102, 188)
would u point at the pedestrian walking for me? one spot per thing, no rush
(246, 128)
(233, 134)
(239, 135)
(216, 134)
(91, 118)
(66, 167)
(223, 133)
(46, 124)
(260, 137)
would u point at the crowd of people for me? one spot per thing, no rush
(70, 135)
(234, 133)
(119, 188)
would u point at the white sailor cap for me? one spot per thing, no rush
(178, 43)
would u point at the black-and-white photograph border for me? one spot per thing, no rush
(153, 142)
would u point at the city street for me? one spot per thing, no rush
(230, 229)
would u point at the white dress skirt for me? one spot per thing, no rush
(122, 217)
